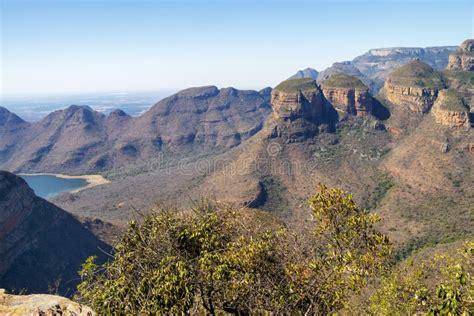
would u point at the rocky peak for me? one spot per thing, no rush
(306, 73)
(463, 59)
(467, 46)
(74, 114)
(414, 85)
(198, 92)
(450, 109)
(266, 93)
(118, 113)
(7, 117)
(118, 116)
(347, 94)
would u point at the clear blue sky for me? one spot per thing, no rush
(92, 46)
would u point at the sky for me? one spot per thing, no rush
(61, 47)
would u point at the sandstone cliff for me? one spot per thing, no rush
(40, 243)
(347, 94)
(40, 305)
(463, 59)
(450, 109)
(413, 86)
(298, 108)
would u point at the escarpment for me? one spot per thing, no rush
(347, 94)
(463, 59)
(414, 85)
(450, 109)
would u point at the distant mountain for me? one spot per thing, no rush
(40, 244)
(373, 66)
(306, 73)
(376, 64)
(79, 139)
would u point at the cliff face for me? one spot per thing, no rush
(293, 105)
(417, 99)
(347, 94)
(414, 86)
(298, 109)
(463, 59)
(450, 110)
(39, 242)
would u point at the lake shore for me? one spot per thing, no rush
(93, 180)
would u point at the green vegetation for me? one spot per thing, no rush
(215, 259)
(384, 184)
(452, 101)
(417, 73)
(344, 81)
(275, 199)
(295, 85)
(441, 285)
(460, 77)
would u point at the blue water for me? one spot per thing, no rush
(47, 186)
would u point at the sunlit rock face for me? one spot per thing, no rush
(450, 109)
(298, 109)
(414, 86)
(347, 94)
(463, 59)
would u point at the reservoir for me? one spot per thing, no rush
(47, 186)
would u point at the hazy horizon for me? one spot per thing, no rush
(64, 47)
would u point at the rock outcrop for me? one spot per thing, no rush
(347, 94)
(40, 305)
(450, 109)
(40, 244)
(414, 86)
(297, 98)
(463, 59)
(298, 108)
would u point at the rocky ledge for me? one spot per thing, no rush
(40, 305)
(347, 94)
(450, 109)
(463, 59)
(414, 85)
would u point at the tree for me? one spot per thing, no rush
(215, 259)
(439, 284)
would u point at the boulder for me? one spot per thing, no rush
(40, 305)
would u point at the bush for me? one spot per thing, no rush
(215, 259)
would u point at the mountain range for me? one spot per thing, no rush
(373, 66)
(404, 151)
(80, 140)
